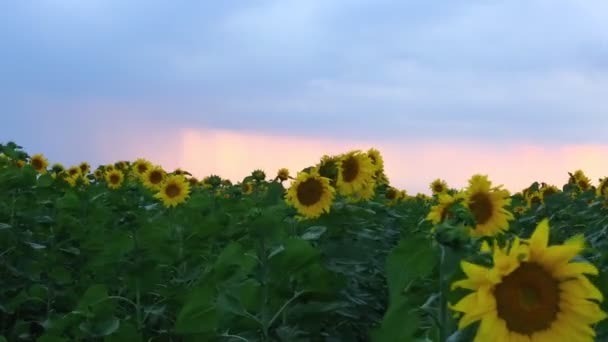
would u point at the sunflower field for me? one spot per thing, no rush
(130, 251)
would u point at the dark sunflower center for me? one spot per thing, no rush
(84, 168)
(528, 299)
(114, 179)
(310, 192)
(391, 194)
(73, 172)
(155, 177)
(350, 169)
(141, 168)
(583, 185)
(481, 207)
(37, 164)
(437, 188)
(172, 190)
(535, 200)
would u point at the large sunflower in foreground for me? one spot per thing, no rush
(311, 194)
(114, 179)
(533, 292)
(39, 163)
(355, 171)
(174, 190)
(488, 206)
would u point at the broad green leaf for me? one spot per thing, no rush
(313, 233)
(198, 314)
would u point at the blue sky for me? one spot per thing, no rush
(491, 71)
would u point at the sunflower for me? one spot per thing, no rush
(98, 174)
(366, 193)
(438, 186)
(311, 194)
(440, 211)
(548, 190)
(108, 167)
(534, 198)
(193, 181)
(580, 179)
(19, 163)
(282, 174)
(355, 170)
(84, 168)
(114, 179)
(174, 190)
(247, 187)
(57, 167)
(39, 163)
(378, 163)
(74, 171)
(488, 206)
(328, 168)
(392, 195)
(533, 292)
(520, 209)
(140, 166)
(258, 175)
(602, 188)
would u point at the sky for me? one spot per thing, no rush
(444, 89)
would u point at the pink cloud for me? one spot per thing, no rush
(409, 165)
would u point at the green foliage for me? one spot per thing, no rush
(90, 263)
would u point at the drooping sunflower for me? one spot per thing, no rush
(282, 174)
(580, 179)
(39, 163)
(533, 292)
(174, 190)
(440, 211)
(114, 179)
(378, 163)
(488, 206)
(355, 171)
(311, 194)
(140, 166)
(438, 186)
(602, 188)
(328, 168)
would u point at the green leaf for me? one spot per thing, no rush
(411, 259)
(100, 328)
(399, 324)
(298, 254)
(45, 180)
(126, 332)
(5, 226)
(198, 315)
(94, 295)
(313, 233)
(49, 338)
(3, 339)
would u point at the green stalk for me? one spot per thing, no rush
(443, 318)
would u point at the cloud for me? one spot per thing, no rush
(497, 71)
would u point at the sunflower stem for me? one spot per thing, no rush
(443, 333)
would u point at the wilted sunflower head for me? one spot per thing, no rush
(39, 163)
(311, 194)
(114, 179)
(488, 206)
(438, 186)
(84, 168)
(355, 171)
(283, 174)
(258, 175)
(174, 190)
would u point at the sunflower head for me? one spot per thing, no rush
(534, 199)
(441, 211)
(247, 188)
(488, 206)
(328, 168)
(311, 194)
(213, 181)
(84, 168)
(141, 165)
(283, 174)
(226, 182)
(154, 177)
(438, 186)
(602, 188)
(376, 158)
(582, 182)
(532, 292)
(39, 163)
(173, 191)
(114, 179)
(74, 171)
(193, 181)
(98, 174)
(258, 175)
(57, 167)
(355, 171)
